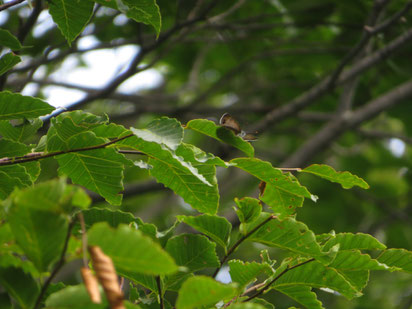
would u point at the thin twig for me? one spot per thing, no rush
(30, 157)
(242, 239)
(276, 278)
(159, 289)
(58, 266)
(10, 4)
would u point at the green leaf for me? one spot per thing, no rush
(164, 131)
(221, 134)
(246, 306)
(193, 251)
(130, 250)
(22, 132)
(355, 260)
(319, 276)
(282, 203)
(217, 228)
(99, 170)
(73, 297)
(291, 235)
(71, 16)
(40, 234)
(8, 61)
(7, 184)
(248, 210)
(21, 286)
(302, 294)
(9, 40)
(17, 106)
(142, 11)
(11, 149)
(399, 258)
(266, 172)
(203, 292)
(348, 241)
(346, 179)
(116, 217)
(357, 278)
(182, 172)
(244, 273)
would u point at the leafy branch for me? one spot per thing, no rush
(240, 240)
(40, 155)
(276, 278)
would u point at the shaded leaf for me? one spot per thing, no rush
(130, 250)
(221, 134)
(9, 40)
(217, 228)
(71, 16)
(202, 292)
(8, 61)
(75, 297)
(40, 234)
(248, 209)
(21, 286)
(355, 260)
(346, 179)
(246, 306)
(17, 106)
(11, 149)
(143, 11)
(192, 251)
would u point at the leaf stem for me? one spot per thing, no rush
(38, 155)
(240, 240)
(276, 278)
(58, 266)
(159, 288)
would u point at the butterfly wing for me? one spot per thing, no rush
(229, 122)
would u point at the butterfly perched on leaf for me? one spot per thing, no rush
(231, 123)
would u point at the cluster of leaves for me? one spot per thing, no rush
(39, 230)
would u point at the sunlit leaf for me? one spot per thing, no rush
(17, 106)
(399, 258)
(22, 132)
(202, 292)
(348, 241)
(302, 294)
(266, 172)
(131, 251)
(244, 273)
(346, 179)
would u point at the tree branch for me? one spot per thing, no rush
(341, 123)
(309, 97)
(40, 155)
(9, 4)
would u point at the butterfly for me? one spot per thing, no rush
(231, 123)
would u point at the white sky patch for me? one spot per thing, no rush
(223, 275)
(44, 23)
(101, 67)
(4, 16)
(396, 147)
